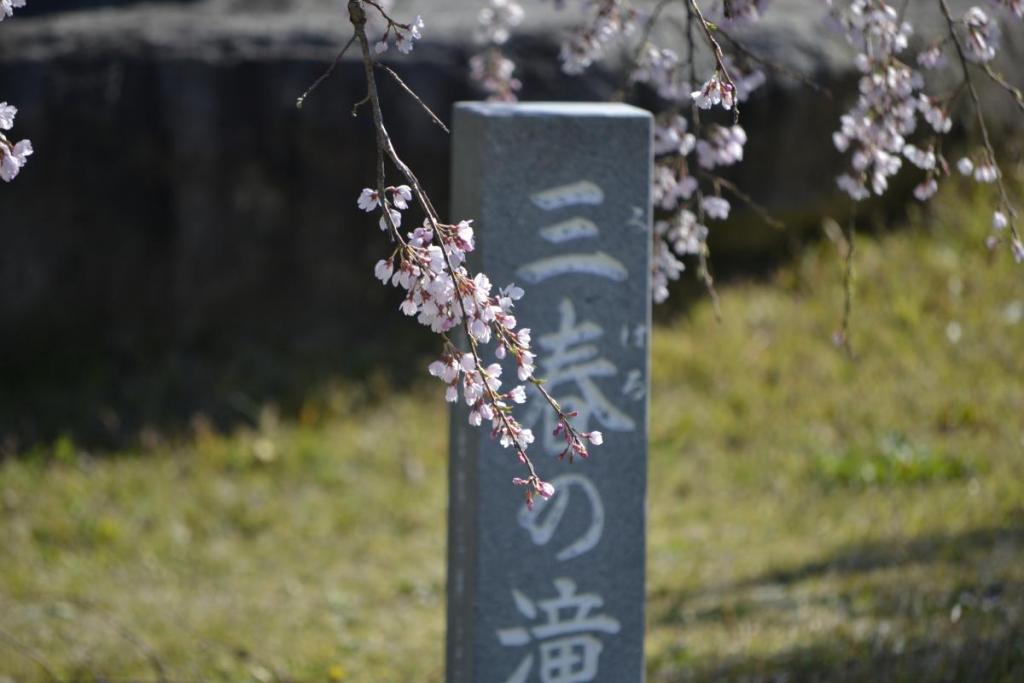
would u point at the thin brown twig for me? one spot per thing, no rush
(691, 50)
(703, 263)
(383, 13)
(326, 74)
(848, 286)
(756, 207)
(413, 95)
(355, 107)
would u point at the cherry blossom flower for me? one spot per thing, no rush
(534, 486)
(986, 173)
(672, 185)
(7, 7)
(932, 58)
(715, 207)
(722, 146)
(396, 220)
(400, 196)
(1017, 247)
(7, 114)
(13, 158)
(368, 199)
(853, 187)
(672, 137)
(407, 37)
(926, 189)
(922, 158)
(935, 115)
(982, 35)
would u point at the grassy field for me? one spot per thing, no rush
(812, 517)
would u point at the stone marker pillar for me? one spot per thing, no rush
(560, 195)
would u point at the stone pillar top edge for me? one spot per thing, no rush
(553, 109)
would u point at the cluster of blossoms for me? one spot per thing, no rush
(606, 21)
(892, 98)
(660, 68)
(684, 207)
(876, 131)
(715, 91)
(13, 155)
(680, 156)
(405, 35)
(681, 231)
(429, 264)
(490, 68)
(684, 157)
(876, 127)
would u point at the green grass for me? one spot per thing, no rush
(812, 517)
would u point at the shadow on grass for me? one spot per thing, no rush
(949, 548)
(995, 658)
(941, 607)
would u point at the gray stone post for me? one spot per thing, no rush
(561, 201)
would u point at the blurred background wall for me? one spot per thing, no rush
(186, 242)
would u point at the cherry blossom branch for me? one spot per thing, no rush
(13, 155)
(715, 90)
(1010, 211)
(443, 294)
(490, 68)
(704, 252)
